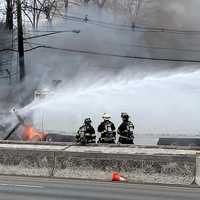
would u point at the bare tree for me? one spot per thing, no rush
(101, 3)
(9, 14)
(134, 7)
(49, 9)
(66, 2)
(34, 9)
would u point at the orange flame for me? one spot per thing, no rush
(32, 135)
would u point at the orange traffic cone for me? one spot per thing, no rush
(117, 177)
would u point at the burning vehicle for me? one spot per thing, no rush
(25, 131)
(15, 126)
(28, 133)
(22, 131)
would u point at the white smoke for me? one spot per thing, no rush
(156, 104)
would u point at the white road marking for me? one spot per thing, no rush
(29, 186)
(25, 186)
(4, 184)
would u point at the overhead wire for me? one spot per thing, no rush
(8, 49)
(154, 47)
(117, 27)
(88, 52)
(52, 33)
(147, 47)
(126, 27)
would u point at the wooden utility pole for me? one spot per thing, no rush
(9, 14)
(20, 41)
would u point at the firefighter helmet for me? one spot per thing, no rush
(106, 116)
(87, 121)
(124, 115)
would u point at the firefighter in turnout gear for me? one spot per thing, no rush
(107, 130)
(86, 133)
(125, 130)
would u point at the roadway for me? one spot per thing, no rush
(25, 188)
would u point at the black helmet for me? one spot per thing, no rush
(124, 115)
(87, 121)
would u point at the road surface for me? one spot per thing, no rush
(19, 188)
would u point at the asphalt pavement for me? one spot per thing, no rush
(21, 188)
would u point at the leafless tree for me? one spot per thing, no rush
(101, 3)
(9, 14)
(134, 7)
(49, 9)
(33, 9)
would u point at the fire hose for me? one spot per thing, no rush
(15, 127)
(12, 131)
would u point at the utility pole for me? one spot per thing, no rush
(20, 41)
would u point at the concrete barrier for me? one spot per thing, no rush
(140, 165)
(26, 162)
(179, 141)
(164, 169)
(197, 174)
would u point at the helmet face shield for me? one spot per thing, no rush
(106, 119)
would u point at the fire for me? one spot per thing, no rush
(30, 134)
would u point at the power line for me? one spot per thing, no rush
(131, 45)
(128, 45)
(126, 27)
(37, 47)
(107, 54)
(8, 49)
(135, 28)
(150, 47)
(156, 47)
(114, 55)
(52, 33)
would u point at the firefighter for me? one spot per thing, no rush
(125, 130)
(86, 133)
(107, 130)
